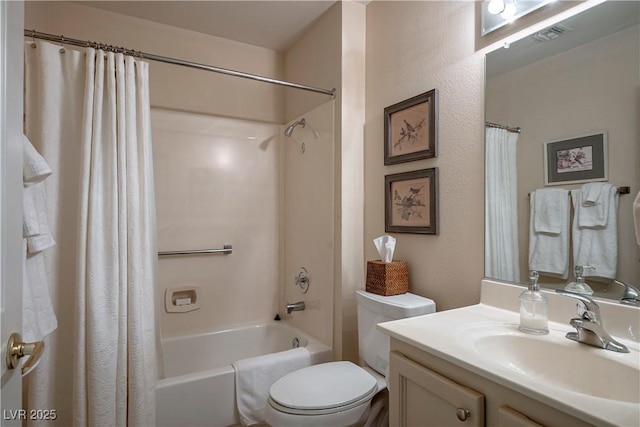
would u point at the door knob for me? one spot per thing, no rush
(17, 349)
(462, 414)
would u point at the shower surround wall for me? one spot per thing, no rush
(308, 221)
(217, 182)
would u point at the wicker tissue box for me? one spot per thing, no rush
(387, 279)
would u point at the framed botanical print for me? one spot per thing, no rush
(411, 202)
(411, 129)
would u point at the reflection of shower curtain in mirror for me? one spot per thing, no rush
(87, 112)
(501, 215)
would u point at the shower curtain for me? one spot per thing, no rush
(501, 210)
(88, 114)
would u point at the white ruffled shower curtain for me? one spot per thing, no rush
(88, 114)
(501, 209)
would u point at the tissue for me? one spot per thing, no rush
(385, 276)
(385, 245)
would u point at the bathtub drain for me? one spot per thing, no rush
(295, 343)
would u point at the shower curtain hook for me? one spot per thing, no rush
(62, 49)
(33, 39)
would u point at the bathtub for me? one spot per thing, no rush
(199, 384)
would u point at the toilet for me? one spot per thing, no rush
(340, 393)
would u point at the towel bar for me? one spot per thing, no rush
(226, 250)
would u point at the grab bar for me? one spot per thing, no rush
(226, 250)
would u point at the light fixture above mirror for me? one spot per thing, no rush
(497, 13)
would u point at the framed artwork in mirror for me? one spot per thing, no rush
(411, 202)
(411, 129)
(576, 160)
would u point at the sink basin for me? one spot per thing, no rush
(557, 361)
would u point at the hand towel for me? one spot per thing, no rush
(591, 193)
(597, 246)
(38, 317)
(30, 221)
(594, 213)
(550, 209)
(35, 224)
(636, 217)
(34, 168)
(255, 376)
(548, 252)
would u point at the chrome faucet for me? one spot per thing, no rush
(631, 294)
(296, 306)
(589, 329)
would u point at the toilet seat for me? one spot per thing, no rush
(322, 389)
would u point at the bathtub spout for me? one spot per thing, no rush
(296, 306)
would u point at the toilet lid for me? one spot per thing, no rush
(322, 387)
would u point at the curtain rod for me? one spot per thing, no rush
(509, 129)
(82, 43)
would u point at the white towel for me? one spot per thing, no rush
(549, 253)
(35, 224)
(34, 168)
(38, 317)
(550, 210)
(255, 376)
(30, 221)
(597, 246)
(594, 211)
(591, 193)
(636, 216)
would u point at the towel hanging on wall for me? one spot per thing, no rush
(549, 232)
(595, 232)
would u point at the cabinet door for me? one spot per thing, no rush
(508, 417)
(420, 397)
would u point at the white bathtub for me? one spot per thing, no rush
(199, 384)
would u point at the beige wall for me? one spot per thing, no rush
(174, 87)
(588, 89)
(351, 165)
(314, 59)
(413, 47)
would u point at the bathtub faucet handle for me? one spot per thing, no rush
(296, 306)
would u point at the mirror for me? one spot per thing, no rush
(578, 77)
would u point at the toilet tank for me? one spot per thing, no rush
(374, 309)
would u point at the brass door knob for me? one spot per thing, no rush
(17, 349)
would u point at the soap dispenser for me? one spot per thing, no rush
(533, 308)
(579, 286)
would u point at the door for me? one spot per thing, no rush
(11, 66)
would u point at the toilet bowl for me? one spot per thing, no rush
(340, 393)
(335, 393)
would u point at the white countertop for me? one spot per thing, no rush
(443, 335)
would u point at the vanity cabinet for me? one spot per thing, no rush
(422, 397)
(425, 390)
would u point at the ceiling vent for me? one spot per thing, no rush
(551, 33)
